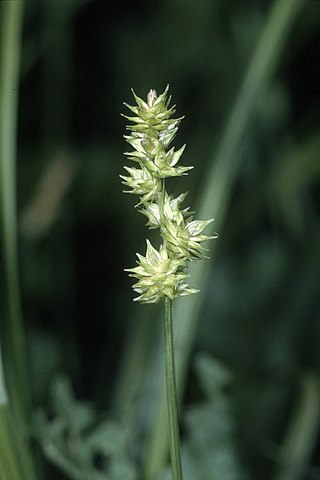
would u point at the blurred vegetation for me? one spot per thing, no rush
(246, 76)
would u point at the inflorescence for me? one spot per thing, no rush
(161, 273)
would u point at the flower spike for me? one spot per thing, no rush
(161, 274)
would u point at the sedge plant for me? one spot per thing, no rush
(162, 273)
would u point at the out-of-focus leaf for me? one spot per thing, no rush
(209, 449)
(213, 375)
(78, 444)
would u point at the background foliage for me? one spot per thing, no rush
(250, 374)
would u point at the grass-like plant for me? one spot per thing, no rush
(75, 438)
(162, 274)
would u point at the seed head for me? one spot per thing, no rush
(161, 273)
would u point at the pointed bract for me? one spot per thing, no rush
(159, 276)
(152, 131)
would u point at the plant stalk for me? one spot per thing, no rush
(172, 398)
(10, 467)
(15, 413)
(13, 340)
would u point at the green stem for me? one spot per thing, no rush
(10, 466)
(172, 399)
(12, 331)
(13, 340)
